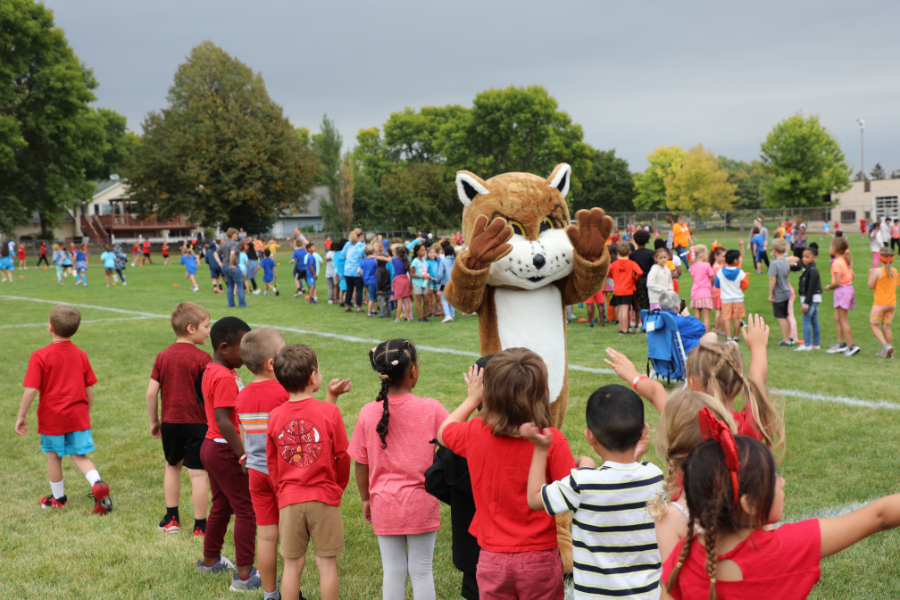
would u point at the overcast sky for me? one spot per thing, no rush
(635, 75)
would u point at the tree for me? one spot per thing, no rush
(49, 136)
(860, 176)
(877, 172)
(344, 199)
(803, 163)
(748, 177)
(419, 195)
(327, 145)
(650, 185)
(222, 153)
(120, 141)
(699, 183)
(416, 136)
(609, 184)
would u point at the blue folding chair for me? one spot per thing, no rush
(665, 352)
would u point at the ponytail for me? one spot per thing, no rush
(391, 360)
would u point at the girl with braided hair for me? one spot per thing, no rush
(391, 450)
(733, 493)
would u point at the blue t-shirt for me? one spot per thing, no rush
(268, 267)
(313, 263)
(109, 260)
(189, 262)
(354, 253)
(398, 268)
(368, 267)
(79, 256)
(433, 266)
(760, 242)
(339, 261)
(299, 256)
(418, 267)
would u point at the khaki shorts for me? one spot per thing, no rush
(733, 310)
(297, 523)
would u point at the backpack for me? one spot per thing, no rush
(665, 352)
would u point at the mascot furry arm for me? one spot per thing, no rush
(524, 263)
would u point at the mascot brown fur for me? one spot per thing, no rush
(524, 262)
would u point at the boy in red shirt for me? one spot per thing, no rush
(178, 375)
(624, 272)
(43, 257)
(146, 253)
(306, 454)
(62, 375)
(223, 456)
(22, 264)
(165, 253)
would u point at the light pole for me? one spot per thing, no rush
(862, 149)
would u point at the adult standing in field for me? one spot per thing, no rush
(801, 241)
(682, 239)
(215, 271)
(298, 235)
(764, 232)
(354, 253)
(242, 235)
(227, 258)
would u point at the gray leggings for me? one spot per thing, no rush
(407, 553)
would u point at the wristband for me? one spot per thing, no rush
(242, 459)
(636, 380)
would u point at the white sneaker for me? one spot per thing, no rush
(815, 347)
(195, 289)
(851, 350)
(837, 349)
(447, 320)
(802, 348)
(255, 292)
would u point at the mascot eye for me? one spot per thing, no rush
(546, 224)
(517, 228)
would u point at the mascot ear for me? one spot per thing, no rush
(560, 178)
(469, 185)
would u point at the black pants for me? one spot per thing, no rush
(893, 241)
(764, 257)
(44, 259)
(798, 252)
(469, 586)
(354, 284)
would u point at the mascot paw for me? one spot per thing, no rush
(488, 244)
(564, 537)
(590, 235)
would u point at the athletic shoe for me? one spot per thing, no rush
(266, 293)
(836, 349)
(199, 532)
(815, 347)
(51, 502)
(223, 565)
(124, 283)
(276, 292)
(803, 348)
(255, 292)
(888, 351)
(447, 320)
(169, 525)
(195, 289)
(253, 582)
(851, 350)
(784, 344)
(102, 501)
(298, 293)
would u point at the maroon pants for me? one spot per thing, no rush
(534, 575)
(230, 488)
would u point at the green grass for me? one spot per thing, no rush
(836, 454)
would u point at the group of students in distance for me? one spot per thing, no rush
(279, 460)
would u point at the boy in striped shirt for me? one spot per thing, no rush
(615, 551)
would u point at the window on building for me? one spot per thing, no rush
(96, 209)
(887, 206)
(848, 216)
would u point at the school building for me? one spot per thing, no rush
(867, 200)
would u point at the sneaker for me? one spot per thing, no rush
(256, 292)
(266, 293)
(803, 348)
(298, 293)
(784, 344)
(102, 501)
(51, 502)
(195, 289)
(851, 350)
(815, 347)
(253, 582)
(447, 320)
(836, 349)
(276, 292)
(889, 351)
(199, 532)
(223, 565)
(169, 525)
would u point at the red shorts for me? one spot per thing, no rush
(596, 299)
(262, 495)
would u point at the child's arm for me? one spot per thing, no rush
(840, 533)
(741, 244)
(648, 388)
(537, 474)
(475, 384)
(89, 396)
(362, 482)
(336, 388)
(152, 412)
(756, 336)
(772, 288)
(27, 398)
(874, 276)
(226, 428)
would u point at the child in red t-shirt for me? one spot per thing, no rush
(146, 246)
(306, 455)
(165, 253)
(391, 448)
(136, 253)
(514, 539)
(22, 264)
(746, 561)
(62, 375)
(223, 456)
(177, 376)
(624, 272)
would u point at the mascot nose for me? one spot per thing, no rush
(539, 261)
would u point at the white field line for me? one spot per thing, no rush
(845, 400)
(83, 322)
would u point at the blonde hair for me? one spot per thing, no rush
(779, 246)
(515, 392)
(700, 250)
(886, 267)
(841, 249)
(719, 367)
(65, 320)
(260, 345)
(677, 434)
(187, 313)
(231, 232)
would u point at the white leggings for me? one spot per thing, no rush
(407, 553)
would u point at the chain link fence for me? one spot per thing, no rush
(732, 221)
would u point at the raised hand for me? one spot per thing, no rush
(488, 243)
(590, 235)
(539, 437)
(336, 387)
(474, 383)
(756, 332)
(619, 363)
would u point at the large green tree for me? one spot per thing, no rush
(650, 186)
(608, 184)
(50, 138)
(327, 145)
(222, 152)
(699, 183)
(748, 177)
(119, 144)
(803, 163)
(419, 195)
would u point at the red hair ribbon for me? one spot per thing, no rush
(713, 429)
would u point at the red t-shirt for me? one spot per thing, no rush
(61, 373)
(782, 563)
(21, 253)
(43, 249)
(746, 424)
(498, 466)
(254, 405)
(179, 371)
(146, 247)
(624, 273)
(220, 390)
(306, 452)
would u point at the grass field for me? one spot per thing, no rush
(837, 454)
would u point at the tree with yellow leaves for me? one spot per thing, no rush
(698, 183)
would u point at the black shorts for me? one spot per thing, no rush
(300, 274)
(181, 442)
(780, 309)
(622, 300)
(146, 255)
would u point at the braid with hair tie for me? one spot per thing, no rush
(709, 536)
(391, 365)
(685, 551)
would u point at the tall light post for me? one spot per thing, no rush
(862, 149)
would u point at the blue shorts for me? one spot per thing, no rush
(191, 270)
(343, 285)
(373, 290)
(214, 270)
(310, 280)
(78, 443)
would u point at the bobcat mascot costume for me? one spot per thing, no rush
(523, 264)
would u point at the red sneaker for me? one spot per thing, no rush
(199, 533)
(170, 526)
(102, 501)
(51, 502)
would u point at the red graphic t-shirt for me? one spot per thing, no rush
(146, 247)
(220, 390)
(179, 371)
(306, 452)
(61, 373)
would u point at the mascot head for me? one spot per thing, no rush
(536, 209)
